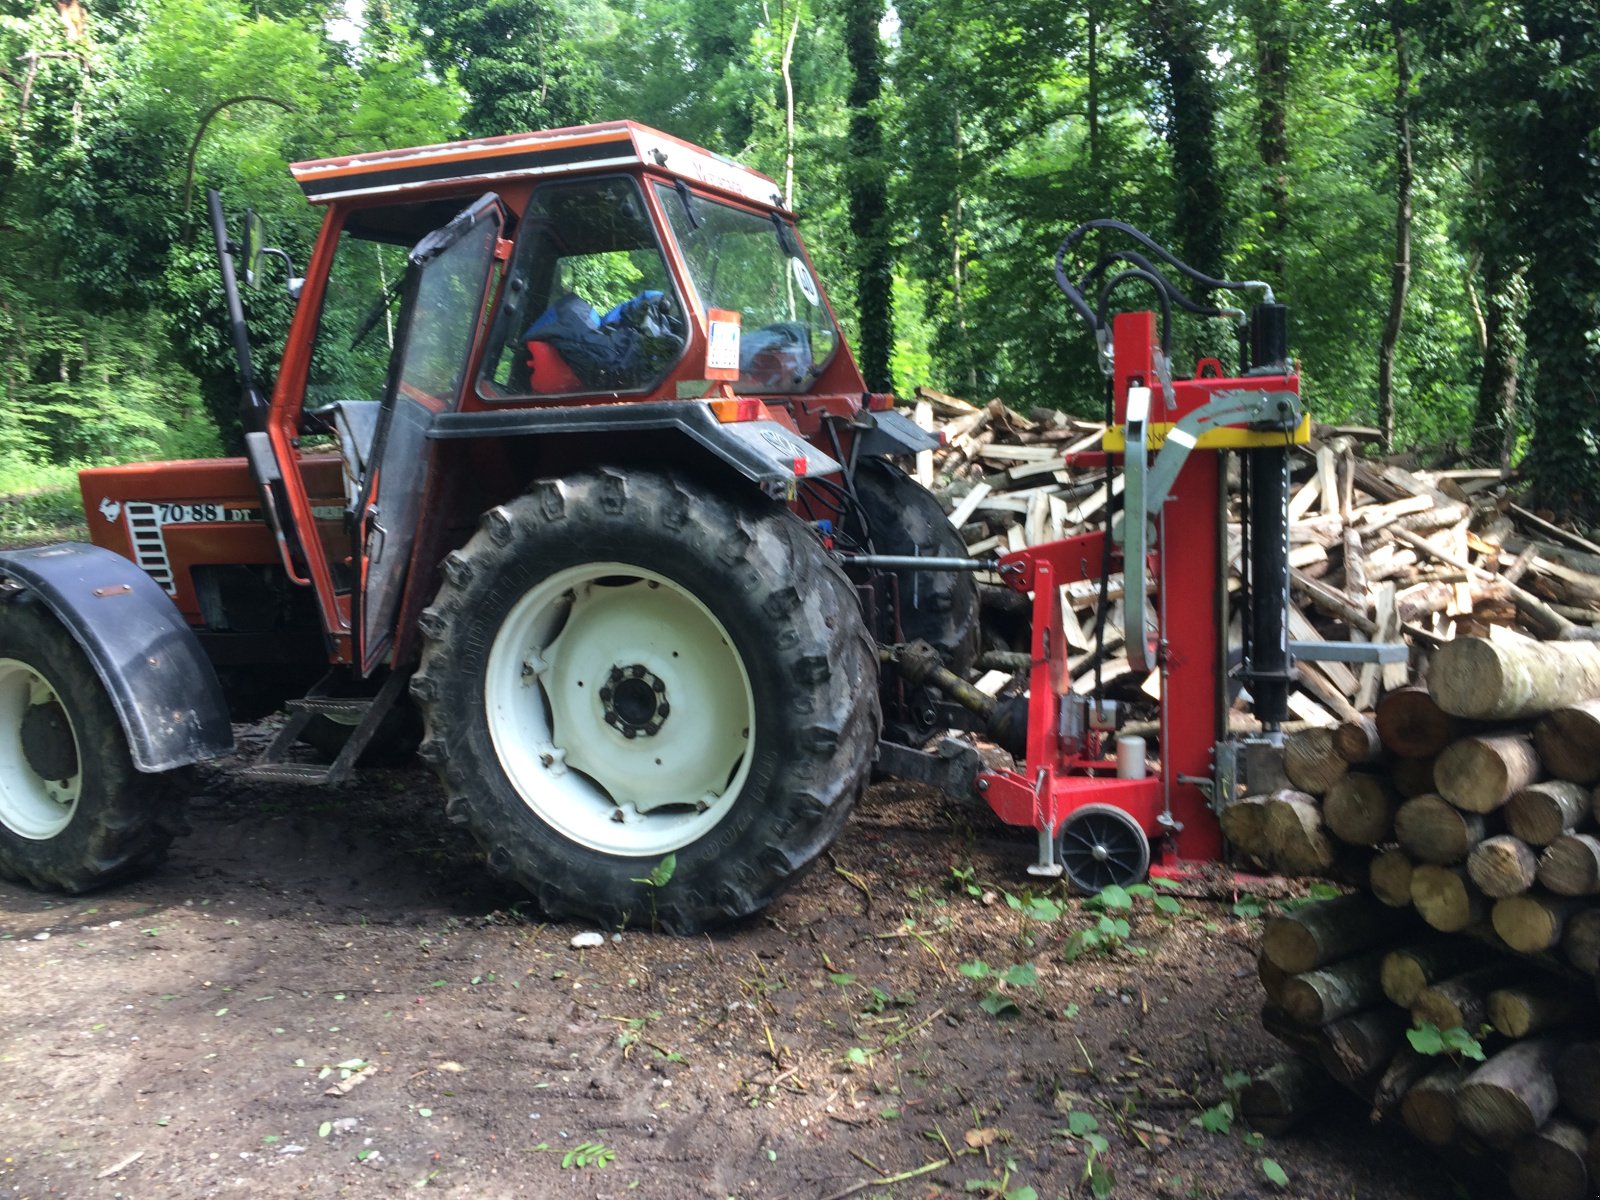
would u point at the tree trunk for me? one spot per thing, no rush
(1432, 831)
(1272, 137)
(869, 196)
(1325, 932)
(1429, 1108)
(1337, 990)
(1311, 762)
(1533, 1007)
(1479, 774)
(1408, 972)
(1580, 941)
(1356, 741)
(1533, 921)
(1199, 207)
(1282, 1096)
(1494, 429)
(1445, 897)
(1551, 1164)
(1512, 1094)
(1502, 866)
(1542, 812)
(1461, 1002)
(1474, 677)
(1295, 838)
(1400, 270)
(1411, 723)
(1360, 809)
(1569, 742)
(1570, 865)
(1412, 776)
(1389, 877)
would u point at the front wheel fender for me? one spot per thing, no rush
(159, 680)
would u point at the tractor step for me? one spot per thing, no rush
(282, 772)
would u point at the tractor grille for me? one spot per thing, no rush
(149, 545)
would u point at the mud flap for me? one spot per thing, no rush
(160, 682)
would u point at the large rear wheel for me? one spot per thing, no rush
(74, 812)
(648, 702)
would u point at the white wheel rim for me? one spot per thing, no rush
(32, 806)
(601, 650)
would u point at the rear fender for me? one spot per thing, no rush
(160, 682)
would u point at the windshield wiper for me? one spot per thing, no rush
(687, 198)
(785, 238)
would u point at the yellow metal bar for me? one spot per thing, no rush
(1229, 437)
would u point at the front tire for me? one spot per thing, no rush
(74, 812)
(620, 668)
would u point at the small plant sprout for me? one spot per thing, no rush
(1455, 1042)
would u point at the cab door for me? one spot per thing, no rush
(447, 281)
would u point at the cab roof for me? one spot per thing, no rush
(553, 152)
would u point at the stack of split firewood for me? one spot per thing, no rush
(1474, 808)
(1381, 550)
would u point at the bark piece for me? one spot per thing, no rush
(1325, 932)
(1474, 677)
(1569, 741)
(1512, 1094)
(1409, 971)
(1446, 898)
(1542, 812)
(1570, 865)
(1432, 831)
(1360, 809)
(1310, 761)
(1389, 877)
(1502, 866)
(1479, 774)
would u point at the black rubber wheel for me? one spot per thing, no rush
(1101, 845)
(938, 607)
(74, 812)
(623, 669)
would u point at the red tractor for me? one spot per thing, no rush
(555, 476)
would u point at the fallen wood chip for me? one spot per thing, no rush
(344, 1086)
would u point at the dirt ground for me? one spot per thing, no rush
(177, 1036)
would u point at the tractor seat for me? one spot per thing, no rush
(355, 423)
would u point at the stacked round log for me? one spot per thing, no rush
(1458, 990)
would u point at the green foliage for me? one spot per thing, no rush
(1455, 1042)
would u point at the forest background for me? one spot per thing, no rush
(1418, 179)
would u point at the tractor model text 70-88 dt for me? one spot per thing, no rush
(568, 481)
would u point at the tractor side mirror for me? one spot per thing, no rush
(250, 252)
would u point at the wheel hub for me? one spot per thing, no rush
(635, 701)
(47, 744)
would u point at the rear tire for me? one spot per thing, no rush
(620, 668)
(74, 812)
(938, 607)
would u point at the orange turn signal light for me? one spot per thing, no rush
(740, 408)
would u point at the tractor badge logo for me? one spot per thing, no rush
(110, 509)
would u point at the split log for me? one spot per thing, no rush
(1294, 834)
(1578, 1080)
(1326, 932)
(1532, 921)
(1570, 865)
(1542, 812)
(1360, 809)
(1479, 774)
(1432, 831)
(1407, 972)
(1502, 866)
(1580, 942)
(1429, 1108)
(1282, 1096)
(1412, 776)
(1310, 761)
(1533, 1006)
(1389, 877)
(1461, 1002)
(1569, 742)
(1337, 990)
(1446, 898)
(1474, 677)
(1356, 740)
(1551, 1164)
(1411, 724)
(1512, 1094)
